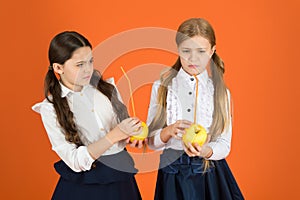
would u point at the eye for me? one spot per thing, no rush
(79, 65)
(185, 51)
(92, 60)
(201, 51)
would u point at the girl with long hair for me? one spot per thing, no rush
(87, 125)
(193, 91)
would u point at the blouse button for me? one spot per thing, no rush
(81, 94)
(190, 93)
(192, 79)
(189, 110)
(92, 110)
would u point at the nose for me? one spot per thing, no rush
(88, 67)
(193, 57)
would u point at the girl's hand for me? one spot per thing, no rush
(130, 126)
(175, 130)
(195, 150)
(137, 143)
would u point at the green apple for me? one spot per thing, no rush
(195, 134)
(142, 135)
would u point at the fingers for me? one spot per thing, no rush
(197, 147)
(177, 133)
(130, 126)
(146, 141)
(134, 121)
(193, 150)
(176, 136)
(137, 129)
(138, 143)
(128, 140)
(136, 125)
(133, 143)
(183, 124)
(190, 154)
(131, 120)
(177, 129)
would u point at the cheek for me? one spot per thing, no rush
(183, 61)
(75, 74)
(183, 56)
(205, 58)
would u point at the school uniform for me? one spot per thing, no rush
(81, 177)
(181, 176)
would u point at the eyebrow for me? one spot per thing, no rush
(193, 48)
(82, 61)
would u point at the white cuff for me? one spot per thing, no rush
(85, 160)
(220, 151)
(158, 144)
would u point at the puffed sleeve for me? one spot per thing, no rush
(112, 81)
(77, 158)
(156, 143)
(221, 147)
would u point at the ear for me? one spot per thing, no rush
(213, 49)
(58, 68)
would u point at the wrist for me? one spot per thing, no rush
(164, 135)
(209, 153)
(116, 135)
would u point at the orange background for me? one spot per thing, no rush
(257, 39)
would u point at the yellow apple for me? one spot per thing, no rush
(142, 135)
(195, 134)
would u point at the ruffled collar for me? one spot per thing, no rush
(203, 77)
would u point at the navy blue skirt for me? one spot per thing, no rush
(181, 177)
(104, 181)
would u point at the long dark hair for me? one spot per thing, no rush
(61, 49)
(188, 29)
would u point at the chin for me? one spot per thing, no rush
(198, 71)
(193, 72)
(86, 82)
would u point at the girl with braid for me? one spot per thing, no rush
(189, 171)
(87, 125)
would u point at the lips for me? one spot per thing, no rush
(193, 66)
(87, 77)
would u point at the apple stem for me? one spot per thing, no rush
(196, 100)
(130, 90)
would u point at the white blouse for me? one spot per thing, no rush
(180, 105)
(94, 117)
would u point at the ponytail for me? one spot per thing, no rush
(64, 114)
(218, 62)
(221, 104)
(61, 49)
(159, 120)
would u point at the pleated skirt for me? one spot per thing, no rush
(111, 178)
(181, 177)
